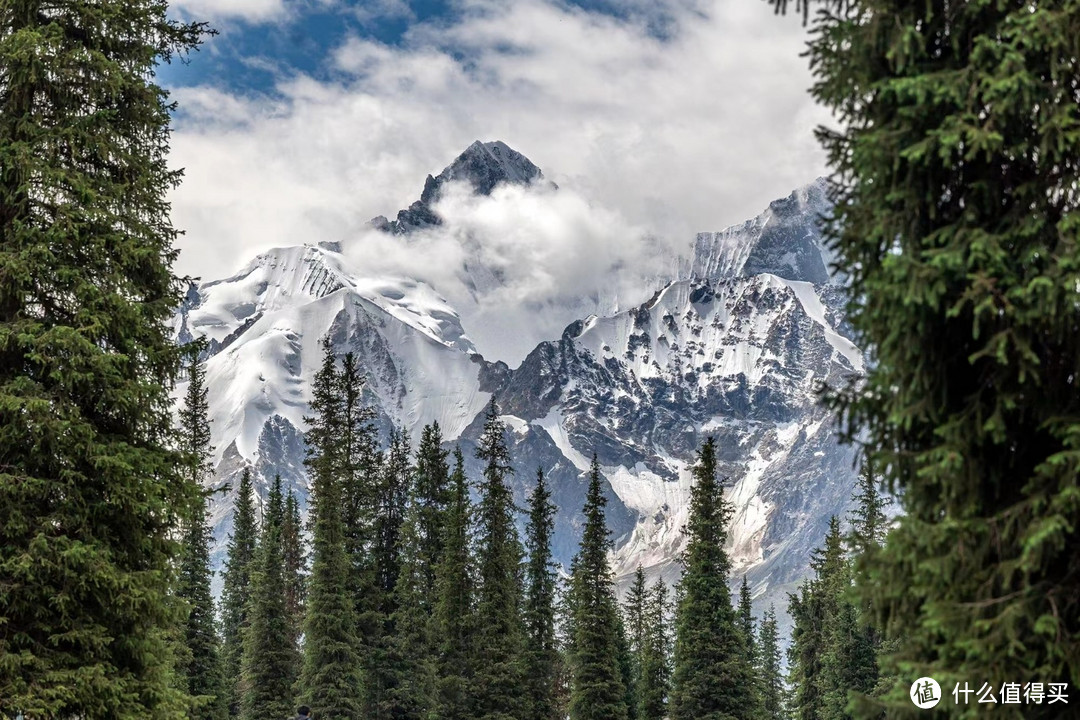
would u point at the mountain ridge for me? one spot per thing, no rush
(734, 344)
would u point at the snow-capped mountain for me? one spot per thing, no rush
(734, 344)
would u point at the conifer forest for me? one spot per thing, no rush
(406, 579)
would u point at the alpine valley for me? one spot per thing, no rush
(732, 340)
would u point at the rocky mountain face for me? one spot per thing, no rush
(734, 345)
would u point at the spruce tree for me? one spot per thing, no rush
(712, 677)
(541, 656)
(201, 670)
(746, 617)
(453, 621)
(636, 624)
(748, 628)
(91, 492)
(655, 681)
(391, 493)
(956, 218)
(805, 652)
(292, 549)
(499, 630)
(771, 680)
(408, 663)
(269, 661)
(431, 495)
(597, 689)
(330, 679)
(236, 590)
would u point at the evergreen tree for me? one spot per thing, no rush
(383, 673)
(91, 492)
(748, 628)
(453, 621)
(597, 689)
(431, 496)
(746, 617)
(357, 465)
(236, 590)
(411, 652)
(499, 631)
(771, 680)
(292, 547)
(636, 630)
(541, 648)
(270, 661)
(330, 679)
(956, 218)
(201, 669)
(815, 611)
(408, 664)
(712, 678)
(655, 681)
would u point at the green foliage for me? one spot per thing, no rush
(270, 659)
(597, 688)
(330, 679)
(654, 683)
(771, 680)
(499, 630)
(385, 671)
(90, 492)
(236, 591)
(292, 550)
(453, 622)
(430, 497)
(833, 657)
(713, 677)
(200, 665)
(635, 614)
(541, 655)
(957, 219)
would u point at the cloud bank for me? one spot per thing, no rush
(652, 138)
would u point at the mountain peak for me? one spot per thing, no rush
(483, 165)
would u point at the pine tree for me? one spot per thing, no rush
(655, 682)
(330, 679)
(541, 648)
(202, 670)
(636, 631)
(499, 630)
(815, 611)
(236, 591)
(383, 674)
(453, 621)
(91, 492)
(772, 682)
(292, 547)
(358, 465)
(269, 661)
(712, 678)
(746, 618)
(409, 659)
(748, 628)
(956, 218)
(597, 690)
(805, 652)
(431, 496)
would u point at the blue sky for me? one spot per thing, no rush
(254, 50)
(303, 119)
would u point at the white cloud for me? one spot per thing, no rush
(667, 138)
(520, 265)
(251, 10)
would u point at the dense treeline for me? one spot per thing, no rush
(414, 601)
